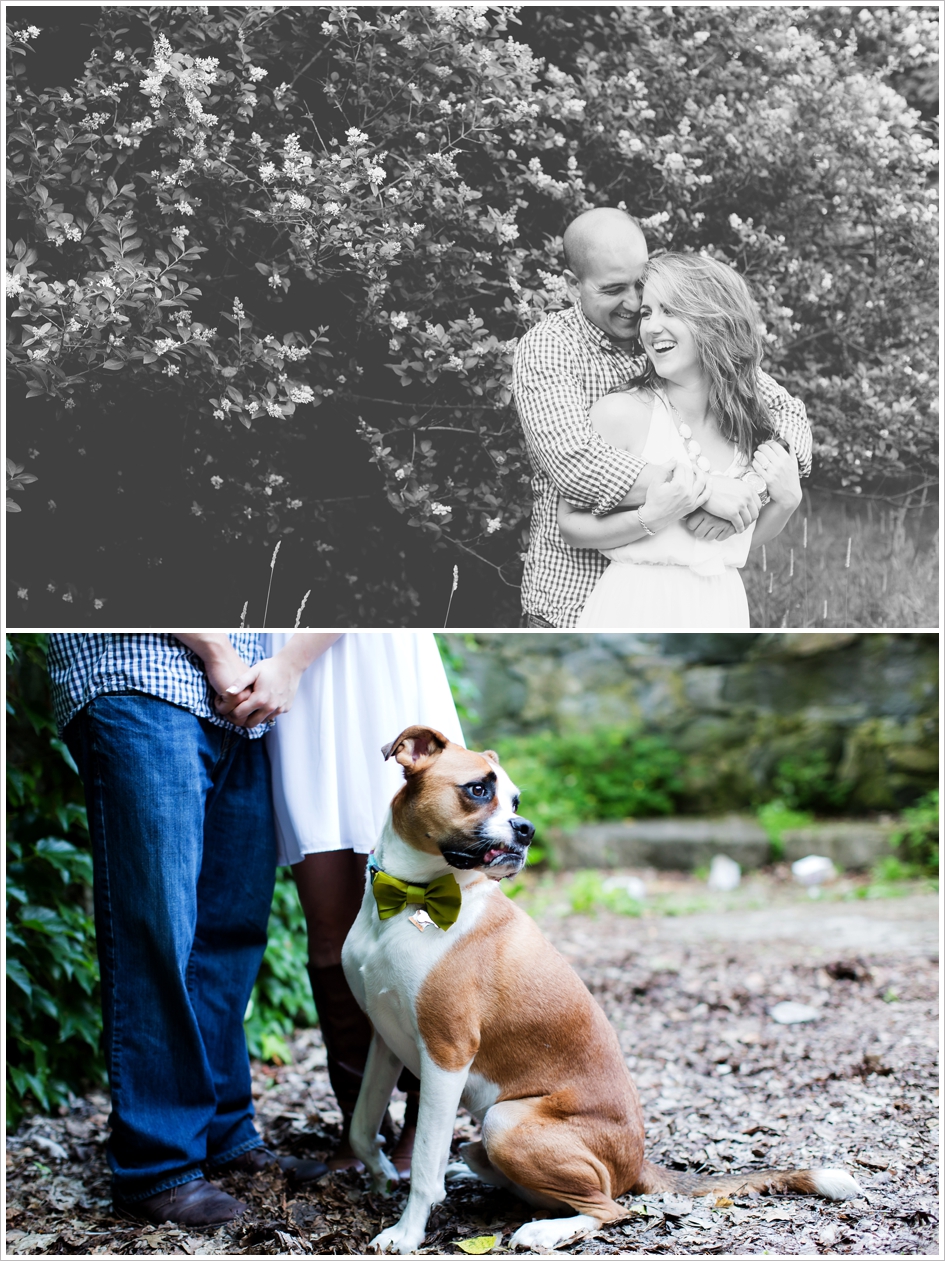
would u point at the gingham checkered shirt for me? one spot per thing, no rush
(82, 667)
(562, 367)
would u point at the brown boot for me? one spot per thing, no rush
(194, 1203)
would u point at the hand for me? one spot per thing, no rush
(730, 499)
(779, 469)
(221, 662)
(667, 501)
(261, 692)
(705, 526)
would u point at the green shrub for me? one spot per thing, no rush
(608, 773)
(282, 997)
(916, 843)
(587, 894)
(777, 818)
(53, 1009)
(809, 779)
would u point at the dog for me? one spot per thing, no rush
(489, 1015)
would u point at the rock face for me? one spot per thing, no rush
(831, 722)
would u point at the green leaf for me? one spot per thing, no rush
(17, 973)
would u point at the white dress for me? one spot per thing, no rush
(672, 580)
(331, 787)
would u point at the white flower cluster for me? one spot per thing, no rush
(439, 510)
(164, 345)
(493, 524)
(399, 319)
(355, 137)
(554, 285)
(194, 80)
(464, 17)
(27, 32)
(301, 394)
(256, 74)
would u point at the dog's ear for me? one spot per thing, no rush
(491, 755)
(415, 748)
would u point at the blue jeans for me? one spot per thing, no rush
(180, 816)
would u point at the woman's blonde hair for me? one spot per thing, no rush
(723, 317)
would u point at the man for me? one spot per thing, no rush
(562, 367)
(183, 846)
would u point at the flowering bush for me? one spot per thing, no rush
(339, 222)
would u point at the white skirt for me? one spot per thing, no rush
(331, 787)
(665, 597)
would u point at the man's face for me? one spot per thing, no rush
(610, 289)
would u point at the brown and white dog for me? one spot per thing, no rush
(488, 1014)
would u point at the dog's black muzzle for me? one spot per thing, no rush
(491, 853)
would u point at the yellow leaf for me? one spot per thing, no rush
(482, 1243)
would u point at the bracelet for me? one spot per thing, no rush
(651, 533)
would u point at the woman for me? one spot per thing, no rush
(697, 409)
(331, 792)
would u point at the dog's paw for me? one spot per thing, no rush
(397, 1239)
(385, 1180)
(543, 1236)
(459, 1171)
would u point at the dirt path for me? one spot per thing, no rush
(724, 1088)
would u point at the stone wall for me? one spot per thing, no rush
(857, 709)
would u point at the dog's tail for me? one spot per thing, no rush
(833, 1184)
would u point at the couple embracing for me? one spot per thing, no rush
(655, 474)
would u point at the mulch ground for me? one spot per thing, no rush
(724, 1088)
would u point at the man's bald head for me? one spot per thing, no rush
(605, 257)
(604, 231)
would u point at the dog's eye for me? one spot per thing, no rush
(477, 790)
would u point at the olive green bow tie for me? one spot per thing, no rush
(441, 898)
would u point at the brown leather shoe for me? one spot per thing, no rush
(259, 1158)
(194, 1203)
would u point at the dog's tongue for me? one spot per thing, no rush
(493, 853)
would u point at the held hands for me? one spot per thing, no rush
(779, 469)
(729, 501)
(260, 692)
(684, 490)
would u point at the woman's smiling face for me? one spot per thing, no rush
(667, 339)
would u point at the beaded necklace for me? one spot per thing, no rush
(692, 446)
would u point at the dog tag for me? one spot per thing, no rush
(421, 920)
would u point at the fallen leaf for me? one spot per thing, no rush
(869, 1161)
(479, 1245)
(777, 1215)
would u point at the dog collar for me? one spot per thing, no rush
(441, 899)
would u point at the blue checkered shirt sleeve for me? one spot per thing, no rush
(83, 666)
